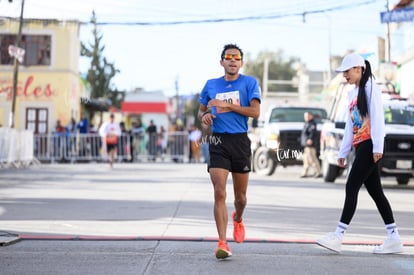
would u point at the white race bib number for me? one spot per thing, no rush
(229, 97)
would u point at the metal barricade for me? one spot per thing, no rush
(16, 147)
(178, 146)
(5, 155)
(25, 148)
(61, 147)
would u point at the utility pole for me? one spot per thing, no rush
(16, 68)
(388, 37)
(265, 77)
(177, 98)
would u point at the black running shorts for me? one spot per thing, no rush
(110, 147)
(230, 151)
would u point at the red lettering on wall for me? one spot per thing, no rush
(29, 81)
(27, 90)
(37, 91)
(48, 90)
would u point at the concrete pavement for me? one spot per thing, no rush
(157, 219)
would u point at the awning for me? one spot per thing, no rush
(96, 105)
(144, 107)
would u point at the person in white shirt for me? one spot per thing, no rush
(365, 130)
(195, 141)
(110, 133)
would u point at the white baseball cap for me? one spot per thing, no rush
(350, 61)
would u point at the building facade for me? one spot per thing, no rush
(144, 106)
(402, 49)
(49, 87)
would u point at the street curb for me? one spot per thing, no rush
(9, 239)
(181, 238)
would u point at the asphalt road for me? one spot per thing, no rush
(157, 218)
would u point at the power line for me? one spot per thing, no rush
(238, 19)
(121, 9)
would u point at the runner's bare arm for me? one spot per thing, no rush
(251, 111)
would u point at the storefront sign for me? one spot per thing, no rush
(27, 90)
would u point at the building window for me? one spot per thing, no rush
(5, 41)
(38, 49)
(37, 120)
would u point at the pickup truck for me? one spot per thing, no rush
(277, 140)
(398, 155)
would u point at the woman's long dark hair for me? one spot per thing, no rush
(362, 98)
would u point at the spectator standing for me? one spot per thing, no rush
(309, 139)
(137, 132)
(95, 142)
(152, 141)
(195, 141)
(123, 144)
(206, 134)
(71, 138)
(59, 127)
(177, 141)
(162, 142)
(83, 125)
(58, 140)
(83, 128)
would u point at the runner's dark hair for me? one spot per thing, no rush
(231, 46)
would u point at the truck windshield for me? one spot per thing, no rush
(296, 114)
(399, 115)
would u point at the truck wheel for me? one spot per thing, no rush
(330, 172)
(263, 163)
(403, 180)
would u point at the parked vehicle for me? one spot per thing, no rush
(398, 155)
(277, 141)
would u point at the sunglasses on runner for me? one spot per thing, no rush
(229, 56)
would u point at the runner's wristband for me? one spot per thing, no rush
(205, 114)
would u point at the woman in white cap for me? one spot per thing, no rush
(365, 130)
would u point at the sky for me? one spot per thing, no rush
(175, 45)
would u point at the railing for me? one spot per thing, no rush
(16, 147)
(57, 147)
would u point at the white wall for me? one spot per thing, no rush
(407, 80)
(159, 120)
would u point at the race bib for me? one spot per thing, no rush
(229, 97)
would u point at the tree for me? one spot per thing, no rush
(191, 109)
(101, 71)
(279, 69)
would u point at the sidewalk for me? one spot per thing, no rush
(157, 219)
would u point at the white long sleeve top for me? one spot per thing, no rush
(372, 126)
(109, 127)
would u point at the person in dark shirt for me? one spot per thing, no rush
(152, 141)
(308, 141)
(83, 127)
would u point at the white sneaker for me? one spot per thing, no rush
(331, 241)
(390, 246)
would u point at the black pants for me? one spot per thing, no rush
(365, 171)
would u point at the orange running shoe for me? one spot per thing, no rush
(238, 231)
(223, 250)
